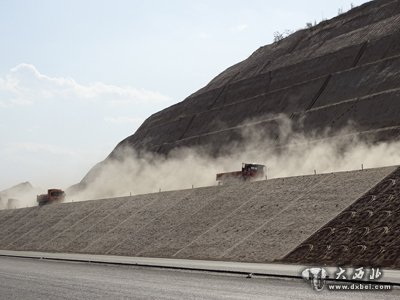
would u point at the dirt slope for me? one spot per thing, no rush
(255, 222)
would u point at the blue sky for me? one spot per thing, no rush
(76, 77)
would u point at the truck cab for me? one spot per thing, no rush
(248, 172)
(253, 171)
(53, 195)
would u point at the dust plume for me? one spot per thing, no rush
(21, 195)
(286, 152)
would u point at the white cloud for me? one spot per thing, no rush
(240, 28)
(204, 35)
(40, 148)
(24, 85)
(124, 120)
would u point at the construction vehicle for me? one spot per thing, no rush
(52, 196)
(248, 172)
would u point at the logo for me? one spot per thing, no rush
(316, 276)
(352, 279)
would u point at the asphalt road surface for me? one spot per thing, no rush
(22, 278)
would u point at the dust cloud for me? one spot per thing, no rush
(21, 195)
(286, 153)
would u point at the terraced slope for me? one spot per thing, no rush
(343, 70)
(347, 68)
(367, 233)
(255, 222)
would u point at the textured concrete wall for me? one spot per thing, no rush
(256, 222)
(367, 233)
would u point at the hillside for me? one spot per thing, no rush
(341, 73)
(347, 68)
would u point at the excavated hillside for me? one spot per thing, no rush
(343, 70)
(253, 221)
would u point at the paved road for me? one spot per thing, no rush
(282, 270)
(22, 278)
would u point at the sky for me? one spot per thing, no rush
(77, 77)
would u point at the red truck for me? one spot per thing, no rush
(248, 172)
(53, 195)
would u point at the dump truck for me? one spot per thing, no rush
(52, 196)
(248, 172)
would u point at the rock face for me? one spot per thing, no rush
(347, 68)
